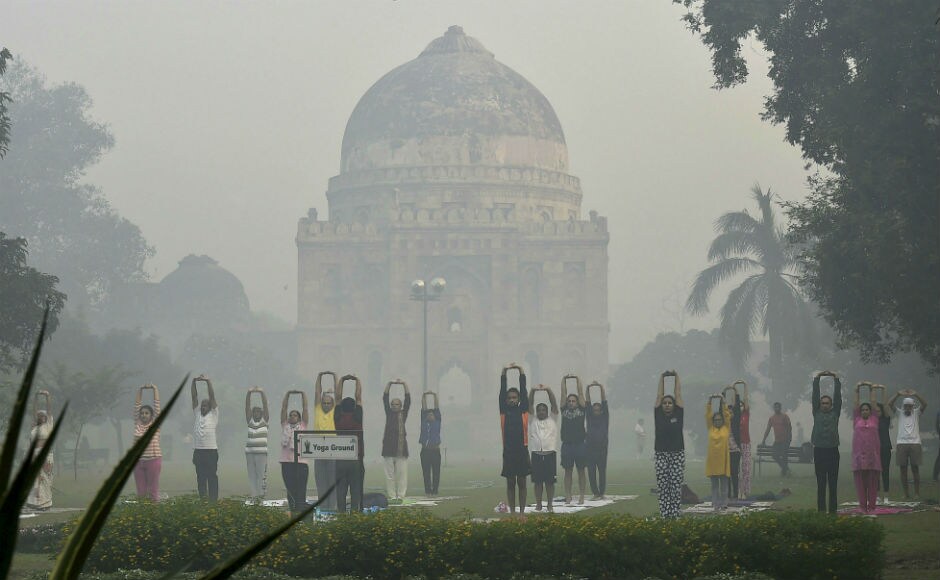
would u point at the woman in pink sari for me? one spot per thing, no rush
(866, 453)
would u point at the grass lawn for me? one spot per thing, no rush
(911, 545)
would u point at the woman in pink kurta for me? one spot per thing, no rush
(866, 454)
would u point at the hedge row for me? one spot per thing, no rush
(397, 543)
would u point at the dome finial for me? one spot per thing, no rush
(455, 40)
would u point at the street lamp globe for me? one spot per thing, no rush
(417, 287)
(438, 285)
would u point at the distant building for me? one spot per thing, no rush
(454, 165)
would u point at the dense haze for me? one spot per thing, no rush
(228, 120)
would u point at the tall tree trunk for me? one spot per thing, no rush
(116, 423)
(78, 439)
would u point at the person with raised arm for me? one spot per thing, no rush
(573, 437)
(598, 425)
(866, 451)
(349, 474)
(324, 408)
(718, 457)
(147, 470)
(295, 471)
(908, 445)
(256, 447)
(543, 444)
(40, 494)
(783, 435)
(430, 441)
(884, 437)
(514, 425)
(395, 443)
(669, 446)
(734, 449)
(745, 444)
(205, 445)
(825, 439)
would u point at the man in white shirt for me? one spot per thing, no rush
(205, 446)
(908, 448)
(543, 444)
(640, 432)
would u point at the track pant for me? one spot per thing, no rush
(780, 456)
(431, 469)
(719, 490)
(735, 472)
(349, 477)
(207, 472)
(886, 469)
(295, 480)
(866, 486)
(324, 474)
(396, 477)
(746, 465)
(826, 464)
(597, 468)
(147, 478)
(257, 473)
(670, 472)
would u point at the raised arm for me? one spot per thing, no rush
(437, 403)
(532, 398)
(284, 404)
(552, 400)
(709, 411)
(678, 388)
(816, 395)
(358, 390)
(137, 403)
(915, 394)
(660, 390)
(305, 412)
(212, 404)
(893, 401)
(503, 388)
(318, 388)
(247, 404)
(581, 400)
(746, 397)
(194, 392)
(523, 392)
(264, 404)
(564, 389)
(156, 400)
(406, 404)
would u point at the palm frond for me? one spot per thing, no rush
(736, 221)
(709, 278)
(765, 204)
(740, 319)
(731, 244)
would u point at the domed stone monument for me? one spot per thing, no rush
(454, 166)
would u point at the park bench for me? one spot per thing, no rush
(765, 453)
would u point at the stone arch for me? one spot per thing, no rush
(455, 385)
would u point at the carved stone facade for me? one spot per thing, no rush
(454, 166)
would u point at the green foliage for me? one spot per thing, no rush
(399, 543)
(768, 301)
(72, 230)
(24, 294)
(5, 124)
(855, 85)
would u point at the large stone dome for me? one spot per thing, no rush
(454, 105)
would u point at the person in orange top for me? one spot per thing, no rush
(514, 424)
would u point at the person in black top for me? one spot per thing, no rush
(598, 422)
(514, 424)
(349, 473)
(573, 436)
(669, 446)
(884, 436)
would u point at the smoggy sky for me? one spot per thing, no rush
(228, 119)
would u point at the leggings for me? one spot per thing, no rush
(746, 465)
(431, 468)
(349, 477)
(295, 480)
(735, 470)
(719, 491)
(866, 486)
(886, 469)
(257, 473)
(670, 471)
(207, 472)
(147, 478)
(597, 469)
(826, 464)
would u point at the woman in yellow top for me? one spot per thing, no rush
(324, 470)
(718, 458)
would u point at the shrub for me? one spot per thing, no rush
(401, 542)
(41, 539)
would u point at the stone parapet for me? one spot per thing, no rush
(469, 174)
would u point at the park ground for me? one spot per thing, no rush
(912, 543)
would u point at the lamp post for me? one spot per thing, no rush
(420, 292)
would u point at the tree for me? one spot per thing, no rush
(5, 124)
(856, 85)
(768, 302)
(72, 230)
(24, 293)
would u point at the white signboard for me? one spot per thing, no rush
(327, 446)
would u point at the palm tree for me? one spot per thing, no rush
(768, 301)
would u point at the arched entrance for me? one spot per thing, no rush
(455, 387)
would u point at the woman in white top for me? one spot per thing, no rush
(294, 472)
(40, 496)
(256, 447)
(543, 444)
